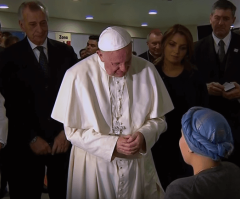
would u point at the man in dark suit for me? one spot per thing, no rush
(31, 74)
(218, 58)
(154, 39)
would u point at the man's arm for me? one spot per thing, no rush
(151, 131)
(93, 142)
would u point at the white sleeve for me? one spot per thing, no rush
(151, 131)
(93, 142)
(3, 122)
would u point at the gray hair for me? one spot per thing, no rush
(224, 5)
(154, 32)
(33, 6)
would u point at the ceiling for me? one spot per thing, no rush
(130, 12)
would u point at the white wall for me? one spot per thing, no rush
(81, 30)
(79, 41)
(10, 21)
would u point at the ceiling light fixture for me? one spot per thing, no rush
(152, 12)
(3, 6)
(144, 24)
(89, 17)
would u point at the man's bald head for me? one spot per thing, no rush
(154, 42)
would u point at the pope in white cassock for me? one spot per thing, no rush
(112, 105)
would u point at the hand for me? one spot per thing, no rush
(137, 142)
(214, 88)
(122, 146)
(40, 147)
(131, 144)
(61, 144)
(233, 94)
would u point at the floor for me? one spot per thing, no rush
(44, 195)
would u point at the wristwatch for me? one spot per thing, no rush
(34, 140)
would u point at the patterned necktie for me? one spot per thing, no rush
(43, 61)
(221, 52)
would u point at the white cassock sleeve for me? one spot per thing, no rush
(93, 142)
(153, 127)
(3, 122)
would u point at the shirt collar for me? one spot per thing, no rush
(33, 46)
(225, 39)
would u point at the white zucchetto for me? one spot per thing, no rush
(114, 38)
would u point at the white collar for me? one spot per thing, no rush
(225, 39)
(33, 46)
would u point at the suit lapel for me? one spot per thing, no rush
(29, 60)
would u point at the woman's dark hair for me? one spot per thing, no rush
(180, 29)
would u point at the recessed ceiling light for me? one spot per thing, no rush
(144, 24)
(89, 17)
(3, 6)
(152, 12)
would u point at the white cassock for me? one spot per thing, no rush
(86, 105)
(3, 122)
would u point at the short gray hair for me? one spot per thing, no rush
(154, 32)
(224, 5)
(33, 6)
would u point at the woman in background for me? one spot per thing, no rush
(186, 89)
(206, 138)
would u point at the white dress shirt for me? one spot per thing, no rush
(36, 51)
(226, 41)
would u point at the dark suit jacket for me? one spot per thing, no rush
(147, 56)
(29, 99)
(205, 58)
(1, 49)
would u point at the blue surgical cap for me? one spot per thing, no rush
(207, 133)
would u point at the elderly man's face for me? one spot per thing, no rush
(117, 62)
(154, 44)
(221, 21)
(34, 24)
(92, 47)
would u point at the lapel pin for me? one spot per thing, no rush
(235, 50)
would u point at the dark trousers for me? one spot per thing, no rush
(3, 168)
(26, 173)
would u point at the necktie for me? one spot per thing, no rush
(43, 61)
(221, 52)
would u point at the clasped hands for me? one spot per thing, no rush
(131, 144)
(60, 145)
(214, 88)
